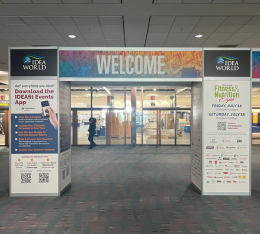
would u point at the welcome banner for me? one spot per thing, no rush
(127, 64)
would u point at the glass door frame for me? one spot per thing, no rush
(158, 124)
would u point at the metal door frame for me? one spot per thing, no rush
(158, 123)
(108, 126)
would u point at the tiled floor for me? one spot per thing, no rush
(131, 190)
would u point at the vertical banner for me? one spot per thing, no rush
(34, 136)
(226, 123)
(65, 135)
(34, 122)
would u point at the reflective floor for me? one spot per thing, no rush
(119, 189)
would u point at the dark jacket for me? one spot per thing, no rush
(92, 127)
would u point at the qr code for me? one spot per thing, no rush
(26, 178)
(63, 174)
(222, 126)
(43, 177)
(68, 171)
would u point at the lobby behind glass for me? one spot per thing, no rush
(108, 108)
(81, 99)
(157, 104)
(183, 101)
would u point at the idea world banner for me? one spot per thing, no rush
(227, 63)
(33, 62)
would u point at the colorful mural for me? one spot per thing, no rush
(255, 64)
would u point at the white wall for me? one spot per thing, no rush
(196, 135)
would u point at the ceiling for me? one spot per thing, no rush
(128, 23)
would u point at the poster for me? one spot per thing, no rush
(226, 137)
(127, 64)
(34, 136)
(65, 135)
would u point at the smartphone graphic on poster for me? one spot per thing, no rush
(45, 108)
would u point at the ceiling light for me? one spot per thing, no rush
(107, 90)
(86, 89)
(154, 89)
(199, 36)
(5, 89)
(3, 73)
(72, 36)
(77, 96)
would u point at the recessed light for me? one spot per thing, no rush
(86, 89)
(77, 96)
(199, 36)
(72, 36)
(5, 89)
(154, 89)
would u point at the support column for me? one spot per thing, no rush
(133, 116)
(40, 124)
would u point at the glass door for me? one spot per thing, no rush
(117, 119)
(167, 127)
(150, 127)
(183, 127)
(82, 126)
(3, 126)
(159, 127)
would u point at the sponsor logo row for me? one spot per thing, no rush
(226, 147)
(225, 182)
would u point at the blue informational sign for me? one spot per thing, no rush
(33, 134)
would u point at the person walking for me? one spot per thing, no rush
(92, 130)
